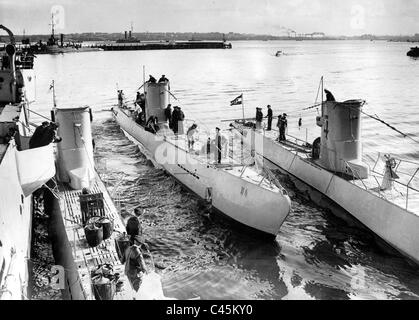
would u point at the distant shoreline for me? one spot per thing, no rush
(210, 36)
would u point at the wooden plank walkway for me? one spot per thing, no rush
(85, 257)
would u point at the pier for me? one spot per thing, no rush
(119, 46)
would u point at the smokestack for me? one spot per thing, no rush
(125, 34)
(130, 34)
(62, 39)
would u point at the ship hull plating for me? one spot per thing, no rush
(15, 229)
(395, 225)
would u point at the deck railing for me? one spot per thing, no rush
(409, 177)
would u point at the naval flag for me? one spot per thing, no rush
(236, 101)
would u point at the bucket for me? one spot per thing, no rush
(94, 233)
(107, 225)
(103, 288)
(122, 243)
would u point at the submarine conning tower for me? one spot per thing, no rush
(340, 143)
(157, 98)
(75, 151)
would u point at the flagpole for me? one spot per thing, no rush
(243, 106)
(144, 79)
(53, 94)
(241, 136)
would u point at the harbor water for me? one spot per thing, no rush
(316, 255)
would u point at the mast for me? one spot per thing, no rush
(53, 94)
(322, 89)
(52, 25)
(144, 79)
(241, 136)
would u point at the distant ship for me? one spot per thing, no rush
(414, 52)
(128, 38)
(55, 46)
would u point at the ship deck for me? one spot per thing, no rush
(402, 194)
(85, 257)
(229, 163)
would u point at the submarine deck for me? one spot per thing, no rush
(402, 194)
(231, 164)
(85, 257)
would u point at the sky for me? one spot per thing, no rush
(332, 17)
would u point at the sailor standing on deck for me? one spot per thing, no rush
(163, 79)
(218, 144)
(120, 98)
(152, 79)
(135, 265)
(259, 118)
(175, 119)
(278, 125)
(180, 121)
(137, 98)
(282, 122)
(168, 114)
(270, 115)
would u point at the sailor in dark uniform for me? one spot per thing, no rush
(135, 266)
(163, 79)
(137, 99)
(168, 114)
(50, 134)
(175, 119)
(120, 98)
(218, 144)
(329, 95)
(152, 79)
(259, 118)
(270, 115)
(35, 140)
(181, 118)
(151, 125)
(282, 126)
